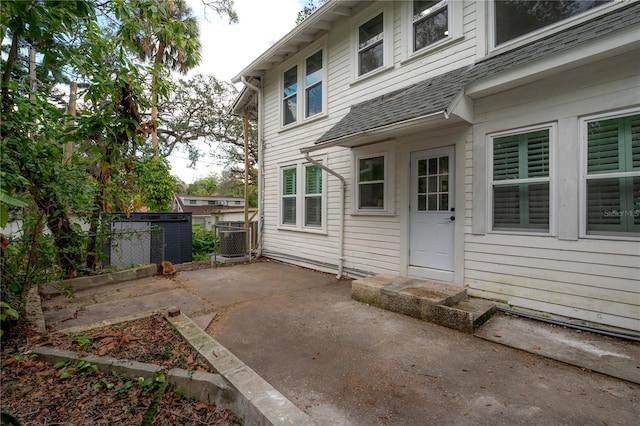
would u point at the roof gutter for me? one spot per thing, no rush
(260, 164)
(343, 187)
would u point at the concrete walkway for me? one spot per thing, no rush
(344, 362)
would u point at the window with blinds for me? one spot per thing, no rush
(302, 195)
(312, 196)
(289, 191)
(521, 181)
(613, 175)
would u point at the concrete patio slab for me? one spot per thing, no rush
(603, 354)
(345, 363)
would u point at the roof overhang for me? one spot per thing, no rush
(614, 44)
(247, 100)
(320, 22)
(393, 131)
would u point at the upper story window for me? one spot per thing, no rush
(371, 45)
(313, 84)
(515, 18)
(430, 22)
(613, 175)
(290, 96)
(308, 75)
(193, 201)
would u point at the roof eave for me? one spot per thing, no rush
(305, 32)
(391, 131)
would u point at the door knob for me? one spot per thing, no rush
(452, 218)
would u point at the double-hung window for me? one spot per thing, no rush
(312, 195)
(289, 196)
(515, 18)
(521, 181)
(371, 182)
(302, 195)
(308, 78)
(313, 84)
(430, 22)
(613, 175)
(371, 45)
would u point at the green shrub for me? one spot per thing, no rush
(204, 243)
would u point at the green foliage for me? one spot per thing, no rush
(7, 313)
(72, 368)
(204, 186)
(8, 419)
(90, 43)
(311, 6)
(5, 201)
(147, 419)
(203, 242)
(26, 260)
(156, 184)
(83, 340)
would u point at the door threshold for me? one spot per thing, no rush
(430, 274)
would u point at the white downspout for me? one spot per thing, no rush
(260, 163)
(343, 186)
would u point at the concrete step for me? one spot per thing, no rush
(435, 302)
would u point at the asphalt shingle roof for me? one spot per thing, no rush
(437, 93)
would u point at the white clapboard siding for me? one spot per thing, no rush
(542, 273)
(595, 317)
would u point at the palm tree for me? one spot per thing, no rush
(166, 33)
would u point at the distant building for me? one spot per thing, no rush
(209, 210)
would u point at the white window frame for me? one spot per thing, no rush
(552, 128)
(300, 61)
(281, 196)
(544, 31)
(583, 137)
(388, 209)
(454, 19)
(387, 36)
(300, 168)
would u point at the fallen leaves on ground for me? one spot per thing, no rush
(39, 393)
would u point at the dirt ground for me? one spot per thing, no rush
(39, 393)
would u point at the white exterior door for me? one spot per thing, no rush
(432, 209)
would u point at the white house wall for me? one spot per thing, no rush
(373, 244)
(563, 274)
(596, 280)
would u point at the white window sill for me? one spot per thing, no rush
(311, 119)
(427, 50)
(523, 233)
(371, 74)
(373, 213)
(317, 231)
(610, 237)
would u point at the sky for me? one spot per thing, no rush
(228, 48)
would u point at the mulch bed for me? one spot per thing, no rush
(39, 393)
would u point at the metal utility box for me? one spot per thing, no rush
(176, 227)
(232, 242)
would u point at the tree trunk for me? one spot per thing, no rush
(157, 66)
(66, 240)
(8, 69)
